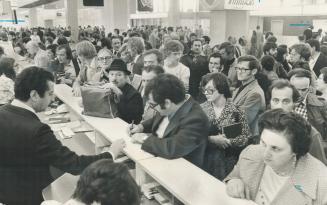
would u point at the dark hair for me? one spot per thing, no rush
(117, 30)
(267, 63)
(253, 62)
(281, 50)
(106, 42)
(62, 41)
(154, 68)
(170, 28)
(193, 34)
(7, 67)
(53, 48)
(32, 78)
(269, 45)
(271, 39)
(197, 39)
(1, 51)
(280, 84)
(69, 54)
(220, 82)
(206, 39)
(107, 183)
(300, 73)
(156, 52)
(301, 64)
(216, 55)
(116, 37)
(323, 71)
(268, 34)
(292, 126)
(314, 43)
(229, 48)
(301, 38)
(67, 33)
(50, 39)
(323, 49)
(26, 39)
(165, 86)
(147, 45)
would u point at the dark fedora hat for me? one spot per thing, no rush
(118, 65)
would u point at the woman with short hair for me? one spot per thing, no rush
(229, 130)
(280, 170)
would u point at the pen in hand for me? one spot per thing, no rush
(131, 128)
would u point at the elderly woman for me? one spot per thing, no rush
(86, 53)
(105, 58)
(104, 182)
(322, 83)
(280, 170)
(229, 130)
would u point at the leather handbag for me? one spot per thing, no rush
(99, 102)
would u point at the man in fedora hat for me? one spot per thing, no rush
(130, 106)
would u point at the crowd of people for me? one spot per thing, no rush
(253, 115)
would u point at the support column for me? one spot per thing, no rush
(72, 17)
(33, 17)
(174, 13)
(224, 23)
(115, 15)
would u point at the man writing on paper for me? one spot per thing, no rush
(28, 147)
(180, 128)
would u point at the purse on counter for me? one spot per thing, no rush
(99, 102)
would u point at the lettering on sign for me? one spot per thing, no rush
(241, 4)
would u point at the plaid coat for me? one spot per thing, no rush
(307, 187)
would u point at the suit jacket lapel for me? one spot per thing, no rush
(156, 123)
(302, 186)
(245, 91)
(257, 169)
(174, 122)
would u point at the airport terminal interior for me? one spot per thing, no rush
(163, 102)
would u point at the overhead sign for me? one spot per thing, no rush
(212, 4)
(145, 5)
(241, 4)
(230, 4)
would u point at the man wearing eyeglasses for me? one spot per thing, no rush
(249, 96)
(180, 128)
(310, 107)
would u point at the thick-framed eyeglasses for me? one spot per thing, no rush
(105, 58)
(153, 105)
(242, 70)
(208, 91)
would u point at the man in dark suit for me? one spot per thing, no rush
(28, 147)
(180, 129)
(317, 60)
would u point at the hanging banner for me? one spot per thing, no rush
(212, 4)
(145, 5)
(241, 4)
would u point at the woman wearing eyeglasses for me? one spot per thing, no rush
(105, 58)
(229, 131)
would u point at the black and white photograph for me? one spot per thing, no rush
(163, 102)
